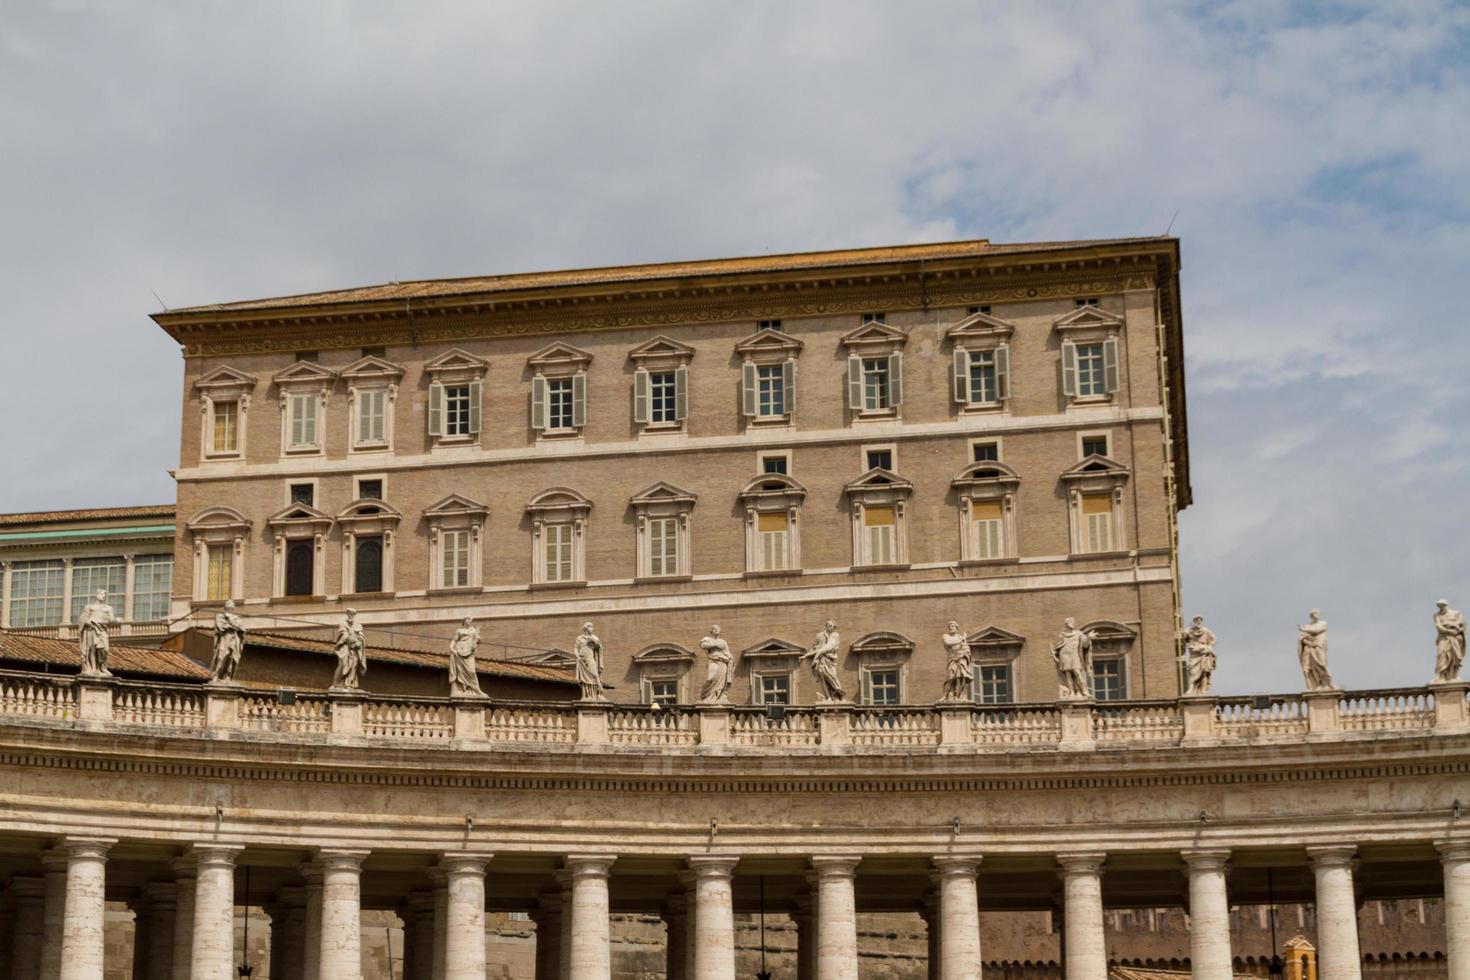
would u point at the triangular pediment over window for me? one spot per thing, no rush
(456, 360)
(1088, 318)
(879, 479)
(664, 493)
(875, 335)
(773, 647)
(977, 328)
(372, 368)
(559, 354)
(769, 342)
(456, 505)
(993, 637)
(660, 348)
(555, 657)
(298, 514)
(304, 373)
(1093, 465)
(225, 377)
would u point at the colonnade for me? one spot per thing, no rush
(184, 927)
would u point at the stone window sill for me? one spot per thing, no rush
(889, 567)
(1099, 555)
(456, 590)
(989, 562)
(580, 584)
(657, 579)
(773, 573)
(365, 596)
(982, 408)
(303, 600)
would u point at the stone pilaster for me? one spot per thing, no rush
(691, 917)
(440, 928)
(53, 863)
(564, 936)
(591, 958)
(214, 912)
(1082, 924)
(418, 936)
(1338, 955)
(142, 927)
(83, 922)
(341, 918)
(837, 956)
(311, 953)
(288, 933)
(29, 896)
(959, 917)
(806, 937)
(161, 898)
(464, 937)
(930, 914)
(676, 922)
(548, 936)
(1209, 915)
(183, 938)
(714, 936)
(1454, 856)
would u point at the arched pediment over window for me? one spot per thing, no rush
(663, 653)
(883, 643)
(218, 519)
(772, 484)
(370, 509)
(559, 498)
(986, 474)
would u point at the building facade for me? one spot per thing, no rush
(887, 438)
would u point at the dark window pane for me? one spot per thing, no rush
(369, 577)
(303, 493)
(299, 563)
(370, 489)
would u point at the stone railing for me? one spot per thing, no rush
(69, 631)
(225, 709)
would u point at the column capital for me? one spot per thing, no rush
(161, 894)
(25, 886)
(676, 904)
(340, 859)
(713, 865)
(1333, 855)
(588, 865)
(835, 866)
(215, 855)
(1206, 859)
(312, 872)
(464, 862)
(291, 896)
(1081, 862)
(956, 864)
(86, 847)
(1453, 850)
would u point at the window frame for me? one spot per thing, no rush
(987, 482)
(222, 527)
(556, 507)
(292, 525)
(1085, 326)
(773, 350)
(224, 385)
(878, 488)
(772, 493)
(367, 518)
(140, 562)
(654, 358)
(560, 363)
(663, 502)
(1090, 478)
(32, 567)
(453, 514)
(372, 375)
(784, 455)
(992, 646)
(304, 383)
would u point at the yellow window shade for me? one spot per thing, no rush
(985, 510)
(1097, 503)
(771, 522)
(877, 516)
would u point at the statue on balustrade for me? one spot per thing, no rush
(1449, 643)
(1311, 650)
(464, 681)
(1199, 656)
(1073, 655)
(960, 675)
(823, 656)
(351, 649)
(717, 681)
(229, 643)
(588, 653)
(96, 644)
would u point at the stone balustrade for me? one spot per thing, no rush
(945, 727)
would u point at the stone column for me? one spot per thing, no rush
(676, 919)
(29, 895)
(441, 922)
(806, 936)
(837, 957)
(142, 927)
(464, 946)
(959, 918)
(53, 863)
(183, 944)
(83, 921)
(564, 933)
(418, 933)
(341, 918)
(591, 958)
(311, 940)
(714, 920)
(1209, 916)
(161, 898)
(930, 914)
(691, 918)
(288, 933)
(1338, 955)
(1455, 857)
(1082, 923)
(214, 912)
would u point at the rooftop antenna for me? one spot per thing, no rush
(1171, 224)
(160, 300)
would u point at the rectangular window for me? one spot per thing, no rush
(220, 577)
(774, 537)
(768, 325)
(1091, 376)
(36, 588)
(771, 397)
(984, 383)
(883, 686)
(971, 310)
(875, 383)
(303, 493)
(307, 355)
(1094, 446)
(661, 397)
(773, 689)
(1097, 516)
(558, 555)
(457, 410)
(370, 489)
(989, 528)
(302, 430)
(90, 574)
(1085, 301)
(559, 403)
(375, 352)
(878, 526)
(993, 684)
(153, 579)
(879, 459)
(1109, 680)
(454, 559)
(985, 452)
(663, 546)
(774, 464)
(874, 318)
(371, 414)
(226, 427)
(663, 690)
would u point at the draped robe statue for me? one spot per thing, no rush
(1449, 642)
(229, 643)
(588, 652)
(960, 672)
(1311, 650)
(95, 643)
(351, 648)
(823, 656)
(1199, 656)
(717, 681)
(463, 680)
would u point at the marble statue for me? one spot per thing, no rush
(1311, 649)
(960, 677)
(588, 653)
(1449, 642)
(229, 643)
(823, 656)
(96, 644)
(464, 682)
(1073, 655)
(717, 681)
(1199, 656)
(351, 649)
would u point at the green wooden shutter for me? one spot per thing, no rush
(640, 396)
(1110, 365)
(1002, 373)
(579, 400)
(895, 379)
(1069, 369)
(436, 409)
(961, 375)
(788, 386)
(538, 402)
(854, 382)
(477, 389)
(681, 393)
(747, 389)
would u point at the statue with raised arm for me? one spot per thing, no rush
(823, 656)
(1449, 643)
(351, 649)
(1199, 656)
(229, 643)
(959, 678)
(717, 681)
(464, 681)
(1073, 655)
(1311, 650)
(92, 634)
(587, 650)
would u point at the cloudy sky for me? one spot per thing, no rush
(1316, 157)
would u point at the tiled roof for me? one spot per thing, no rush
(415, 658)
(93, 514)
(790, 262)
(45, 650)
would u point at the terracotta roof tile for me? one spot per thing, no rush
(414, 658)
(93, 514)
(125, 660)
